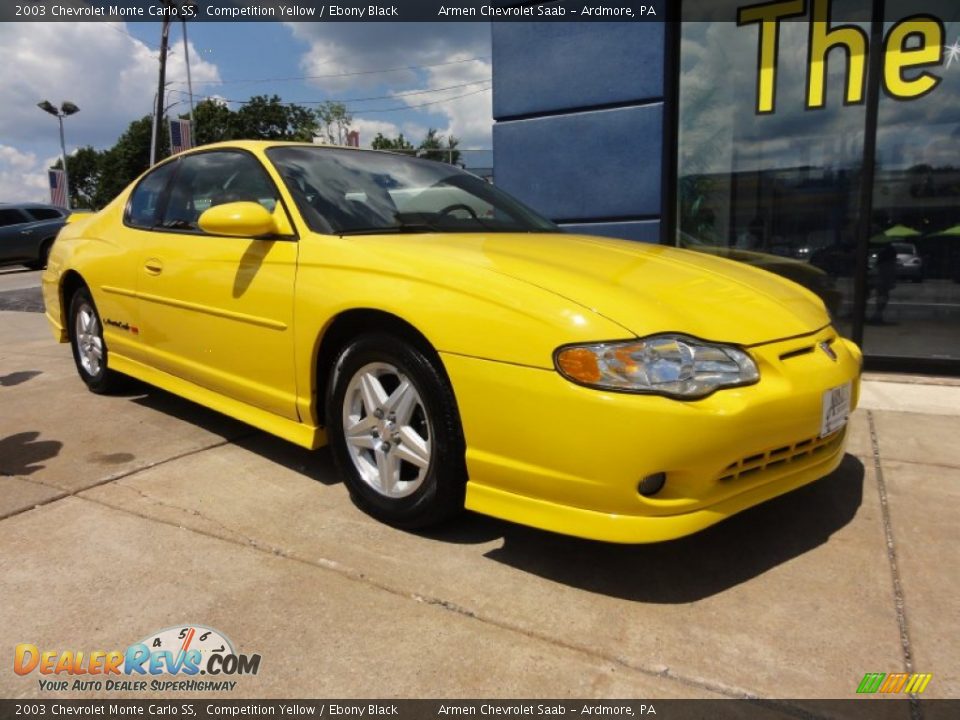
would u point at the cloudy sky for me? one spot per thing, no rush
(395, 77)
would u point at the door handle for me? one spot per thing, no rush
(153, 266)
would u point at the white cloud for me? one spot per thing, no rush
(468, 109)
(22, 176)
(110, 75)
(360, 47)
(441, 55)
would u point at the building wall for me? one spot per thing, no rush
(579, 111)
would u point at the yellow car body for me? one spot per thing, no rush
(244, 325)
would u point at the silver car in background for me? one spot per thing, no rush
(909, 262)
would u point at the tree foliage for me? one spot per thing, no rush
(334, 122)
(434, 146)
(97, 176)
(398, 144)
(437, 147)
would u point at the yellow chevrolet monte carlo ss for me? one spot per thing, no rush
(455, 349)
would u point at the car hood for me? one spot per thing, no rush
(644, 288)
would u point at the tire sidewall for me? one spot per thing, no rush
(441, 492)
(98, 381)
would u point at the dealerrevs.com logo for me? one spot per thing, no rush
(183, 652)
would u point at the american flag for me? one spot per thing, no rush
(180, 137)
(58, 189)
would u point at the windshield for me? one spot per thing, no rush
(350, 192)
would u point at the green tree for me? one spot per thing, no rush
(126, 160)
(83, 169)
(435, 146)
(213, 122)
(398, 144)
(268, 118)
(334, 122)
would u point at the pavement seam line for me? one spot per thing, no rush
(945, 466)
(349, 573)
(898, 596)
(116, 476)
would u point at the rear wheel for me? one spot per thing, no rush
(395, 432)
(41, 262)
(89, 348)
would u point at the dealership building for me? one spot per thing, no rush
(819, 139)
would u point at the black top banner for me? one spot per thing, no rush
(343, 11)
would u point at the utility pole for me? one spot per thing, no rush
(186, 55)
(158, 113)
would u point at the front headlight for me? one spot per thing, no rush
(672, 365)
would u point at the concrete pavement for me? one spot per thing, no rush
(125, 515)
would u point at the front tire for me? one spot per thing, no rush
(395, 432)
(89, 348)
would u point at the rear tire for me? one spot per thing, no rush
(395, 432)
(89, 348)
(41, 262)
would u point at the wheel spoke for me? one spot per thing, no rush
(363, 442)
(96, 352)
(372, 392)
(402, 402)
(413, 448)
(361, 426)
(387, 466)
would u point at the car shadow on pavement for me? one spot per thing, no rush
(24, 453)
(691, 568)
(315, 464)
(675, 572)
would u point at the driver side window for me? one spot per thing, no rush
(214, 178)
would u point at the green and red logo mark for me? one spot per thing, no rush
(914, 683)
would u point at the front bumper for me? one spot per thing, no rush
(546, 453)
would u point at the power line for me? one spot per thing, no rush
(346, 74)
(368, 110)
(360, 99)
(411, 107)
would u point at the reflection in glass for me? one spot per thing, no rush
(914, 303)
(779, 187)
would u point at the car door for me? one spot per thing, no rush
(218, 311)
(15, 237)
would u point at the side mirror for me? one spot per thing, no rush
(238, 219)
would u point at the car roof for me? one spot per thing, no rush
(258, 146)
(31, 206)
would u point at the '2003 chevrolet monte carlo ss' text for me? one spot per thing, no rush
(454, 348)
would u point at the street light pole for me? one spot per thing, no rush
(63, 154)
(66, 108)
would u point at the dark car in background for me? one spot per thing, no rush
(27, 232)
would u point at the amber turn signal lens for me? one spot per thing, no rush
(579, 364)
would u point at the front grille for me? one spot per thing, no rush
(777, 457)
